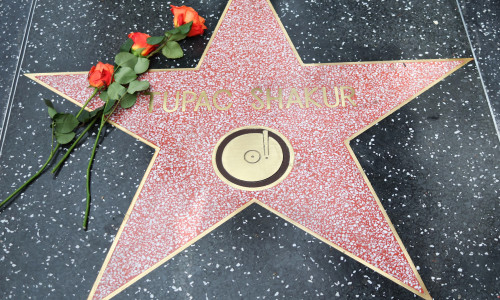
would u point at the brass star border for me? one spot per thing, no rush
(425, 293)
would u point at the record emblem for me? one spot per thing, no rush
(253, 158)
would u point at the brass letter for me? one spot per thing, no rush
(165, 100)
(348, 97)
(279, 98)
(325, 99)
(254, 106)
(184, 101)
(206, 103)
(151, 96)
(307, 96)
(214, 100)
(293, 98)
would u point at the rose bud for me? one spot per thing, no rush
(101, 75)
(141, 46)
(185, 14)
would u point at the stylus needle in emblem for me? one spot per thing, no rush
(265, 136)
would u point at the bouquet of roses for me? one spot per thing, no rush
(116, 85)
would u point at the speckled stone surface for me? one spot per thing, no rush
(257, 255)
(434, 164)
(482, 19)
(439, 184)
(14, 16)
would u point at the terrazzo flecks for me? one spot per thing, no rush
(370, 30)
(14, 17)
(325, 191)
(42, 244)
(413, 152)
(439, 184)
(482, 19)
(261, 259)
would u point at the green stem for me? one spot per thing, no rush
(113, 110)
(52, 153)
(104, 119)
(87, 102)
(66, 155)
(32, 177)
(158, 49)
(52, 126)
(87, 209)
(81, 135)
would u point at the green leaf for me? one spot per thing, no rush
(177, 37)
(155, 40)
(137, 85)
(138, 52)
(65, 123)
(179, 33)
(172, 50)
(96, 112)
(142, 65)
(50, 108)
(48, 103)
(109, 106)
(125, 75)
(127, 45)
(125, 59)
(104, 96)
(184, 29)
(64, 138)
(52, 112)
(84, 116)
(172, 31)
(116, 90)
(128, 100)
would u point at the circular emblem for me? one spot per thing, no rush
(253, 158)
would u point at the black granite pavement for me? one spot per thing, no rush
(434, 163)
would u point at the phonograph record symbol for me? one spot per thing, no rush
(253, 124)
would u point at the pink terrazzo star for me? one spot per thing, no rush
(182, 198)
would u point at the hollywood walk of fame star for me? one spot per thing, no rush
(249, 59)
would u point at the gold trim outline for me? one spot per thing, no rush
(424, 295)
(161, 262)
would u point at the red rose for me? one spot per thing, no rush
(185, 14)
(141, 46)
(101, 75)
